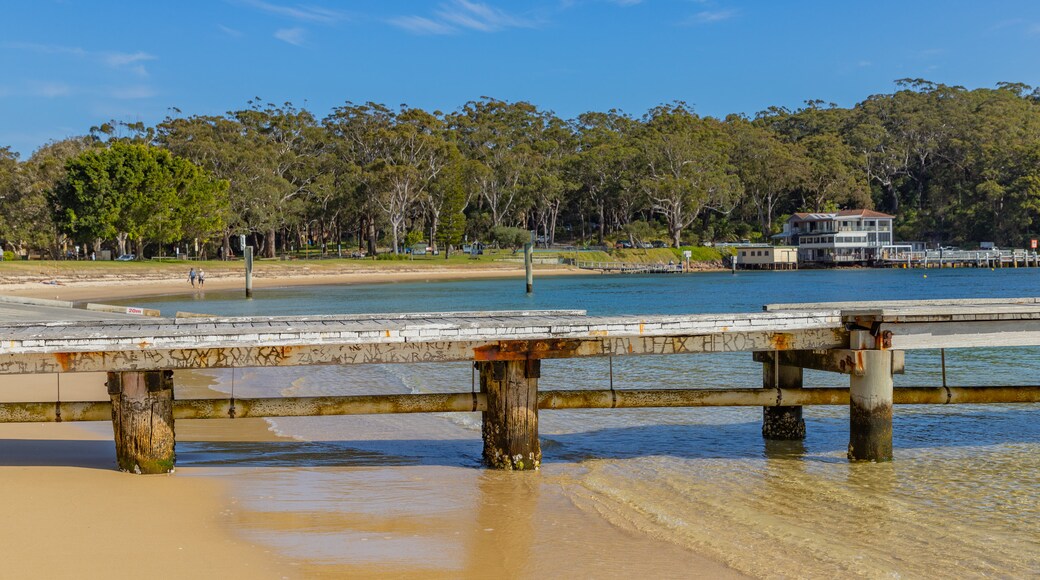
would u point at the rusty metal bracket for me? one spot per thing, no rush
(844, 361)
(506, 350)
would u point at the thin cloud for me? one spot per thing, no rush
(477, 16)
(711, 16)
(230, 31)
(421, 25)
(48, 89)
(452, 17)
(303, 13)
(118, 59)
(295, 36)
(111, 59)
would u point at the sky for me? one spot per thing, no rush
(69, 65)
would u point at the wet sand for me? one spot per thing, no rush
(69, 513)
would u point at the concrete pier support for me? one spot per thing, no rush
(782, 423)
(870, 408)
(142, 420)
(510, 426)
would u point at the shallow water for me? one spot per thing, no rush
(390, 494)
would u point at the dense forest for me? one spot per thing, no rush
(955, 166)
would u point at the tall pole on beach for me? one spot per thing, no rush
(248, 250)
(528, 269)
(528, 263)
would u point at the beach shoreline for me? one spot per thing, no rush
(128, 286)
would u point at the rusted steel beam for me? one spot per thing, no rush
(845, 361)
(52, 412)
(547, 400)
(315, 406)
(135, 358)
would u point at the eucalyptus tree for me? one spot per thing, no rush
(221, 145)
(995, 182)
(352, 132)
(770, 170)
(10, 189)
(283, 143)
(502, 136)
(605, 161)
(547, 180)
(835, 175)
(399, 154)
(412, 152)
(687, 167)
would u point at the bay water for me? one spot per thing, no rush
(638, 491)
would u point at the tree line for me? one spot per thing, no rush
(955, 166)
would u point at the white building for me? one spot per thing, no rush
(766, 257)
(846, 237)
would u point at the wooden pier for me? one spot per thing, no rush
(631, 267)
(865, 341)
(959, 259)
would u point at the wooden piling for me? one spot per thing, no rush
(248, 251)
(870, 408)
(142, 420)
(783, 423)
(510, 426)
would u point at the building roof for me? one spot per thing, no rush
(866, 213)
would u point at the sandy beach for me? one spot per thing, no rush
(77, 516)
(69, 512)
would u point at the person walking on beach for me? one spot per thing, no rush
(202, 278)
(191, 277)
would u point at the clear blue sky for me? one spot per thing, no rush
(71, 64)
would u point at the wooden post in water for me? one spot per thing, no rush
(870, 408)
(142, 420)
(529, 265)
(784, 423)
(249, 271)
(510, 426)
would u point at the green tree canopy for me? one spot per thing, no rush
(140, 193)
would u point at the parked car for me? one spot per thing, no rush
(658, 244)
(126, 258)
(623, 244)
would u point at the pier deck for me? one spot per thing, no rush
(864, 340)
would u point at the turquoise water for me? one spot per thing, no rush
(643, 294)
(959, 500)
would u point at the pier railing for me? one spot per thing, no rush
(864, 341)
(979, 258)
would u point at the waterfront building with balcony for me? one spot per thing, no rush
(852, 236)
